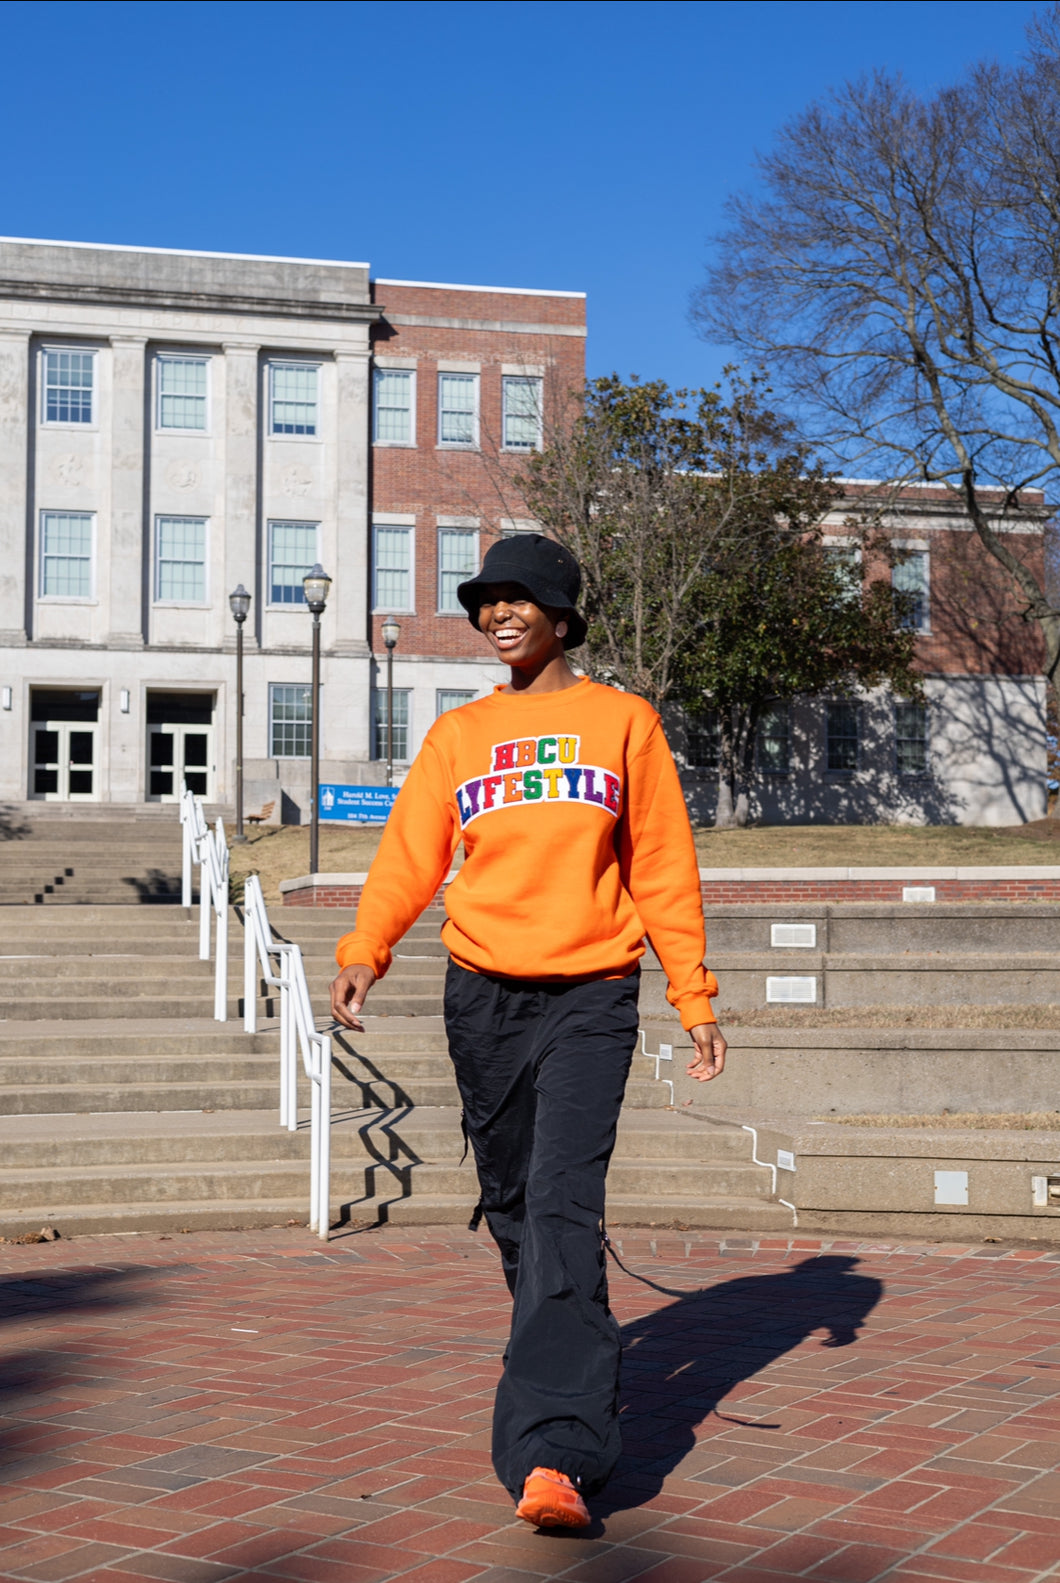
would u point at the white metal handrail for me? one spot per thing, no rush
(209, 849)
(298, 1035)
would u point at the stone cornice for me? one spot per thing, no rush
(99, 295)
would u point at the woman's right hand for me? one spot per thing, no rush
(347, 995)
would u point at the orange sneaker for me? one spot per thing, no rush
(550, 1500)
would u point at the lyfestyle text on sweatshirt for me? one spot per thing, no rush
(576, 840)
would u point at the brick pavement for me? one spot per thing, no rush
(255, 1406)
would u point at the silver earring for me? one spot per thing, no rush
(561, 629)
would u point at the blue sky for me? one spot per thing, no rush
(585, 146)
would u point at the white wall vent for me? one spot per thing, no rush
(793, 934)
(785, 1160)
(918, 893)
(951, 1187)
(1045, 1191)
(803, 990)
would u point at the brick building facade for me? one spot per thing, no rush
(462, 380)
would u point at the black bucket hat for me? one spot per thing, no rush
(547, 571)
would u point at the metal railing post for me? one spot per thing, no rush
(186, 852)
(205, 903)
(219, 855)
(298, 1036)
(250, 963)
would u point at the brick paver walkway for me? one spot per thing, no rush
(255, 1406)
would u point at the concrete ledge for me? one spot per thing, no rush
(1021, 882)
(335, 890)
(744, 886)
(846, 1071)
(886, 1177)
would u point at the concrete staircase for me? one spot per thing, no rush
(60, 860)
(124, 1106)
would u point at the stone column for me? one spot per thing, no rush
(242, 551)
(351, 524)
(347, 732)
(126, 615)
(14, 461)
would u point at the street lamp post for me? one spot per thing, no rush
(391, 632)
(239, 604)
(316, 585)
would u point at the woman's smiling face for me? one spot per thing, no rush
(520, 631)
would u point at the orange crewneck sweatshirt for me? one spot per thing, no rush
(576, 840)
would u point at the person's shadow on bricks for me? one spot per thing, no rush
(29, 1375)
(680, 1362)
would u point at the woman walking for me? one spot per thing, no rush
(577, 844)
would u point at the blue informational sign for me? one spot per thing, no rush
(357, 804)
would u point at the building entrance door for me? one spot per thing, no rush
(64, 763)
(180, 745)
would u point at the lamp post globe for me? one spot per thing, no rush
(239, 604)
(316, 585)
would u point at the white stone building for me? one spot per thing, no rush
(173, 424)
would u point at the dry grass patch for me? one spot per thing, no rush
(282, 852)
(878, 846)
(966, 1120)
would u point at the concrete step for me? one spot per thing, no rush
(55, 897)
(107, 1081)
(193, 1002)
(737, 1214)
(941, 978)
(119, 1172)
(177, 1036)
(434, 1136)
(885, 929)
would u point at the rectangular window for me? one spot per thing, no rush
(846, 558)
(290, 720)
(458, 409)
(401, 723)
(395, 405)
(66, 555)
(391, 567)
(522, 413)
(703, 741)
(293, 398)
(774, 739)
(447, 698)
(69, 381)
(842, 730)
(182, 393)
(911, 578)
(911, 737)
(457, 561)
(292, 553)
(181, 559)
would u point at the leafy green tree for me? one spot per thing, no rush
(651, 488)
(696, 516)
(795, 622)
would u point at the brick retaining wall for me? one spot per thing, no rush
(728, 887)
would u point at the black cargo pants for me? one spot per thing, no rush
(541, 1069)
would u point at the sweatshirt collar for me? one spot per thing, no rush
(559, 699)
